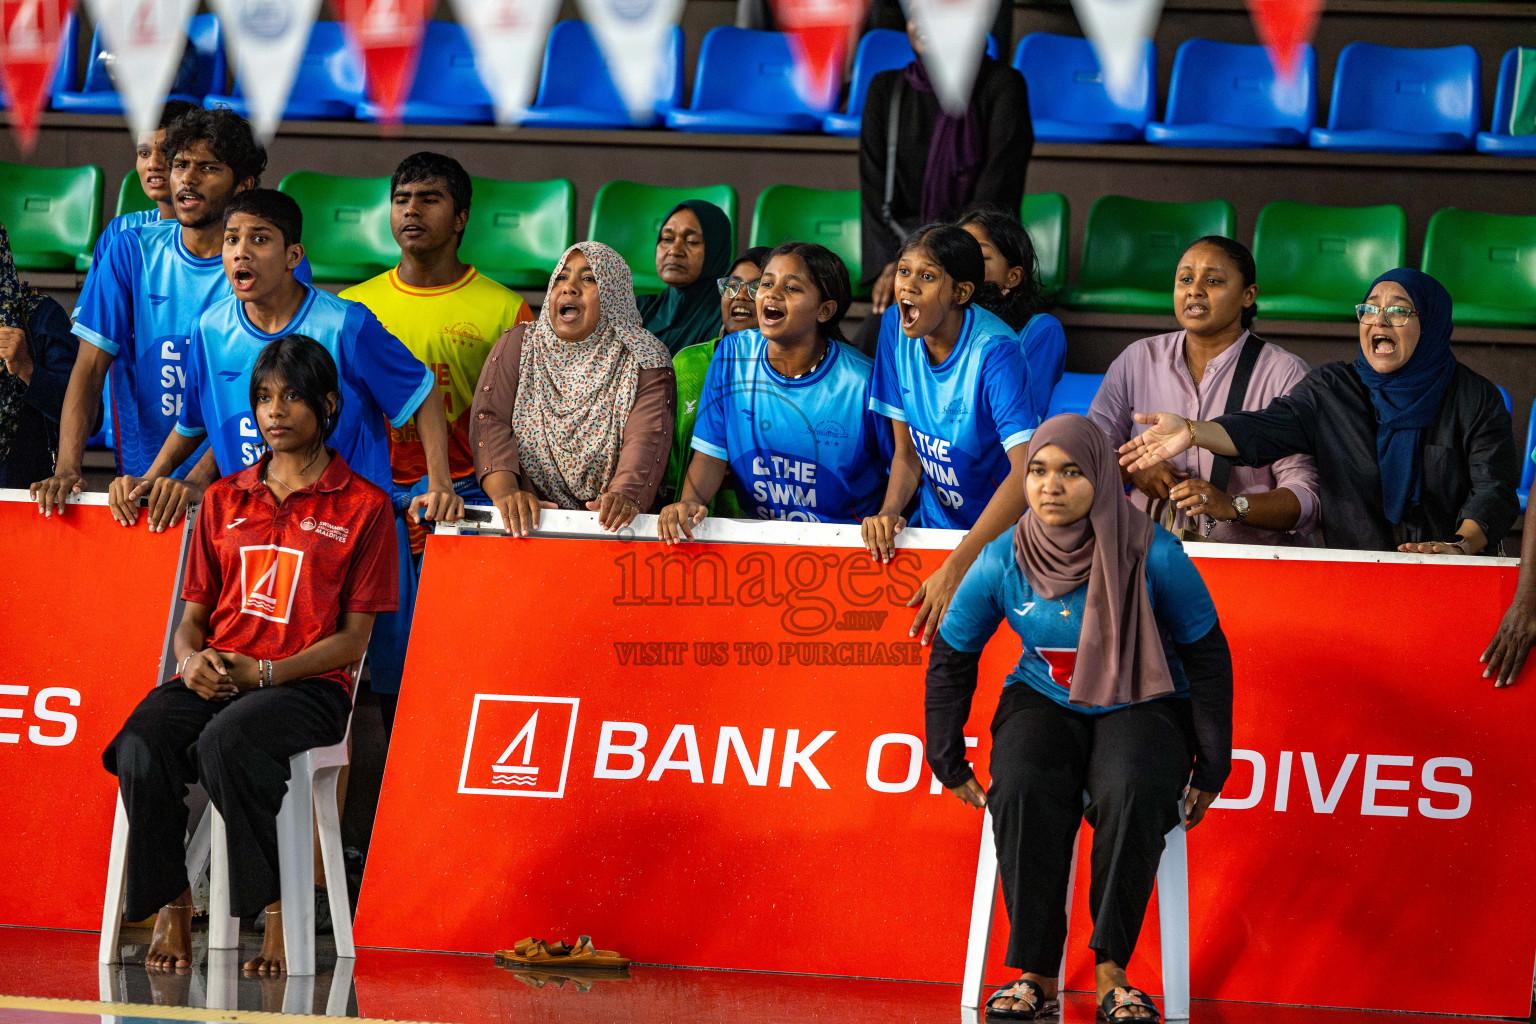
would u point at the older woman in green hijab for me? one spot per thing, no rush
(693, 250)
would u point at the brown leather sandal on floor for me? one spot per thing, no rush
(534, 952)
(584, 954)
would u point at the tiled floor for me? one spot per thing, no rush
(473, 990)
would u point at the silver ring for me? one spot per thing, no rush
(1204, 498)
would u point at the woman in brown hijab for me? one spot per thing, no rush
(1124, 686)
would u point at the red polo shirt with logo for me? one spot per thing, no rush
(279, 577)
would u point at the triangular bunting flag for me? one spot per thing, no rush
(820, 34)
(1119, 30)
(508, 37)
(146, 40)
(29, 45)
(633, 36)
(1284, 26)
(267, 40)
(954, 38)
(388, 35)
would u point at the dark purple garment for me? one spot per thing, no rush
(954, 154)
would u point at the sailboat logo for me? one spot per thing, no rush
(504, 773)
(518, 745)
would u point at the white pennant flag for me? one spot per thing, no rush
(146, 39)
(634, 36)
(509, 38)
(267, 40)
(954, 34)
(1119, 30)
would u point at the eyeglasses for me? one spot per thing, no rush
(730, 287)
(1396, 316)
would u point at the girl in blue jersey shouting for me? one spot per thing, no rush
(955, 379)
(784, 406)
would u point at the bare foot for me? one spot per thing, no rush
(171, 945)
(272, 959)
(1109, 976)
(1026, 999)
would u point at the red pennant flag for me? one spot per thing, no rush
(820, 35)
(388, 34)
(29, 44)
(1284, 26)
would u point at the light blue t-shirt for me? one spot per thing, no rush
(380, 381)
(801, 449)
(1044, 344)
(995, 588)
(964, 414)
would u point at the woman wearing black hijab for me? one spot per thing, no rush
(693, 250)
(943, 164)
(37, 352)
(1414, 451)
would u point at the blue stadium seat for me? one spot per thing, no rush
(1497, 139)
(1074, 393)
(745, 84)
(576, 90)
(65, 70)
(1395, 99)
(1229, 95)
(1067, 98)
(1528, 474)
(328, 86)
(880, 49)
(97, 95)
(447, 89)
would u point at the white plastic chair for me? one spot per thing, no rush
(1172, 912)
(198, 825)
(313, 776)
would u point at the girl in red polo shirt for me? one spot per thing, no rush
(290, 560)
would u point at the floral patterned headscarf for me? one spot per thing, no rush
(574, 397)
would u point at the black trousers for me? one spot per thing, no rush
(1134, 764)
(239, 750)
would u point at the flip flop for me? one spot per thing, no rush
(584, 954)
(1043, 1007)
(534, 952)
(1125, 998)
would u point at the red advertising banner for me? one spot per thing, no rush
(388, 34)
(83, 606)
(29, 44)
(712, 756)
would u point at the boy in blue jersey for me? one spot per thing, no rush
(141, 300)
(382, 384)
(784, 406)
(956, 379)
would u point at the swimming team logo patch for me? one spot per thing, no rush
(518, 746)
(269, 580)
(1063, 660)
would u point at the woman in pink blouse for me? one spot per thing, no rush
(1195, 372)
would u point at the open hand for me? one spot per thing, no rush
(933, 599)
(437, 505)
(676, 521)
(1506, 652)
(52, 494)
(520, 512)
(614, 510)
(880, 535)
(1167, 436)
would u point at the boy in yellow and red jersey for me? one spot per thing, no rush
(450, 317)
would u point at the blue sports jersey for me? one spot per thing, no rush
(801, 449)
(964, 414)
(1044, 344)
(116, 226)
(139, 303)
(996, 588)
(380, 381)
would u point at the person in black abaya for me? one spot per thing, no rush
(943, 164)
(37, 352)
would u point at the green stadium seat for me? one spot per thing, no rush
(828, 217)
(518, 230)
(1047, 216)
(1132, 248)
(131, 196)
(346, 224)
(1317, 262)
(52, 215)
(1487, 261)
(628, 216)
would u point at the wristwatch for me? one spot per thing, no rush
(1240, 505)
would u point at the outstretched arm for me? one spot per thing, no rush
(1169, 434)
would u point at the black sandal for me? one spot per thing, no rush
(1126, 998)
(1042, 1007)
